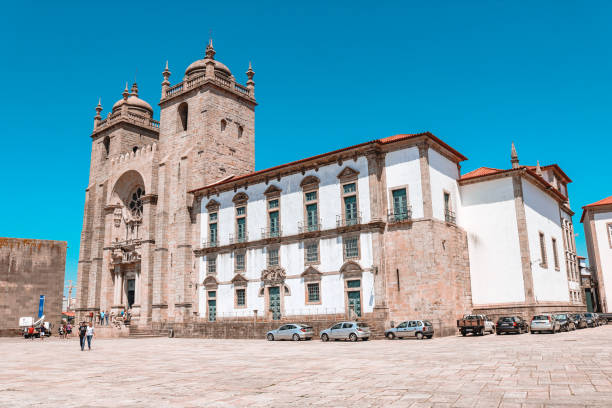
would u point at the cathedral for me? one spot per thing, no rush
(180, 229)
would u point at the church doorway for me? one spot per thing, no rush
(275, 302)
(131, 292)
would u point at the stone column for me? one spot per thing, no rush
(425, 180)
(159, 299)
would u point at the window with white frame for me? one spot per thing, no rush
(240, 261)
(351, 247)
(211, 265)
(312, 252)
(272, 256)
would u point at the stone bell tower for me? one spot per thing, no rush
(207, 133)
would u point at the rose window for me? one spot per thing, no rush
(135, 204)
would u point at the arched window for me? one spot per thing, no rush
(135, 204)
(135, 149)
(106, 144)
(223, 125)
(240, 130)
(182, 115)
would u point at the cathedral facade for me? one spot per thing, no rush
(180, 228)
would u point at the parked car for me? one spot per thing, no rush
(511, 324)
(411, 328)
(591, 319)
(565, 322)
(603, 320)
(477, 324)
(606, 316)
(347, 331)
(292, 331)
(579, 321)
(544, 322)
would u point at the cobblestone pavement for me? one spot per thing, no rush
(566, 369)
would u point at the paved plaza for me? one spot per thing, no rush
(566, 369)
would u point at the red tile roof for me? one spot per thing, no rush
(383, 141)
(479, 172)
(605, 201)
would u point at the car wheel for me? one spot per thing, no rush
(270, 337)
(296, 337)
(390, 335)
(463, 333)
(429, 337)
(353, 337)
(498, 333)
(324, 337)
(365, 339)
(419, 336)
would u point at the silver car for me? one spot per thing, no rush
(411, 328)
(544, 322)
(347, 331)
(291, 331)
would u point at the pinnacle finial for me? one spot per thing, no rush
(134, 89)
(250, 73)
(210, 50)
(166, 65)
(538, 169)
(126, 93)
(514, 157)
(99, 107)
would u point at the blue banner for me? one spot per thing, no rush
(41, 306)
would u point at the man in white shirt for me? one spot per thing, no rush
(90, 334)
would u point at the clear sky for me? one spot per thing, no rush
(479, 75)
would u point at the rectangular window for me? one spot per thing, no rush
(400, 204)
(272, 257)
(447, 206)
(273, 204)
(312, 252)
(240, 297)
(349, 188)
(241, 228)
(313, 292)
(212, 217)
(240, 262)
(212, 265)
(212, 294)
(274, 225)
(212, 233)
(240, 211)
(311, 196)
(312, 218)
(351, 247)
(350, 209)
(353, 284)
(555, 255)
(542, 251)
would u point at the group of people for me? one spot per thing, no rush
(64, 330)
(103, 317)
(86, 332)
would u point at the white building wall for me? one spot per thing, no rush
(402, 168)
(542, 215)
(291, 255)
(489, 217)
(605, 254)
(443, 175)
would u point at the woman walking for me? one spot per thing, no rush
(90, 334)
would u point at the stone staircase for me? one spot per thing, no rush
(145, 332)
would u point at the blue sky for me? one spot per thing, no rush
(479, 75)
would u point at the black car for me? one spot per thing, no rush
(579, 321)
(591, 319)
(511, 324)
(565, 321)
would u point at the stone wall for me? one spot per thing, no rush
(30, 268)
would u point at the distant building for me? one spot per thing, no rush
(597, 221)
(30, 268)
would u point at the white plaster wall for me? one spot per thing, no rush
(291, 254)
(489, 217)
(402, 168)
(443, 174)
(605, 254)
(542, 215)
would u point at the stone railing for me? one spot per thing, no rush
(147, 150)
(128, 116)
(221, 80)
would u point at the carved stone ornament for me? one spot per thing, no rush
(351, 270)
(311, 275)
(274, 275)
(117, 217)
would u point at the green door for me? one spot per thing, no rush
(354, 302)
(212, 310)
(275, 306)
(589, 300)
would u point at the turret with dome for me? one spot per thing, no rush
(133, 102)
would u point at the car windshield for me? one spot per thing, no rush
(305, 327)
(471, 317)
(426, 322)
(362, 325)
(561, 316)
(506, 319)
(540, 317)
(588, 314)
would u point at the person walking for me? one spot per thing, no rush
(68, 330)
(61, 330)
(31, 332)
(90, 334)
(82, 333)
(106, 317)
(42, 331)
(101, 317)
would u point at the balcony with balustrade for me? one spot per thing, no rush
(219, 80)
(238, 239)
(127, 116)
(348, 220)
(271, 233)
(401, 215)
(450, 217)
(311, 228)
